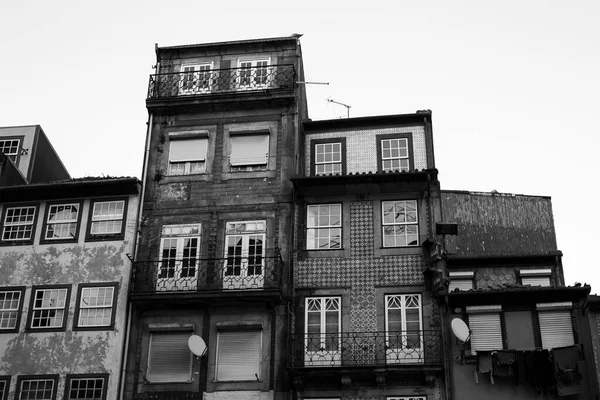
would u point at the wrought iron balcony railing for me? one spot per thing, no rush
(209, 81)
(195, 274)
(364, 349)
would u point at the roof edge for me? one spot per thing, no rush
(229, 43)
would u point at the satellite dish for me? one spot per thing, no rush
(460, 330)
(197, 345)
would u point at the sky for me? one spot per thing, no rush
(514, 86)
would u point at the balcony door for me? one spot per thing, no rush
(244, 255)
(178, 263)
(253, 74)
(322, 341)
(404, 329)
(195, 79)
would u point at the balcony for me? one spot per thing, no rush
(235, 273)
(367, 349)
(221, 81)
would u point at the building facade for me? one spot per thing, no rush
(215, 243)
(366, 324)
(64, 273)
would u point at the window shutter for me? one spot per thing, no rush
(556, 328)
(249, 149)
(239, 355)
(486, 331)
(461, 284)
(536, 280)
(188, 150)
(169, 359)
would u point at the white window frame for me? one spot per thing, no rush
(407, 345)
(26, 227)
(250, 80)
(556, 327)
(397, 226)
(193, 164)
(174, 273)
(179, 358)
(403, 160)
(52, 390)
(49, 305)
(535, 277)
(86, 302)
(101, 217)
(201, 78)
(8, 312)
(89, 379)
(229, 363)
(333, 165)
(254, 163)
(9, 144)
(241, 269)
(486, 328)
(69, 223)
(330, 231)
(461, 280)
(329, 345)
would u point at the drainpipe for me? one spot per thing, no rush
(123, 363)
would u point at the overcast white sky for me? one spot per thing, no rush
(514, 85)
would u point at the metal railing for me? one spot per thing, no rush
(195, 274)
(363, 349)
(195, 83)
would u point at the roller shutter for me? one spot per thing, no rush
(486, 331)
(556, 328)
(239, 355)
(169, 359)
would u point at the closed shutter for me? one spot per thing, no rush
(188, 150)
(460, 284)
(556, 328)
(249, 149)
(535, 280)
(239, 355)
(169, 359)
(486, 331)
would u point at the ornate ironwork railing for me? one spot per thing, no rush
(362, 349)
(195, 274)
(209, 81)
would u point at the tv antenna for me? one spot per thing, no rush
(341, 104)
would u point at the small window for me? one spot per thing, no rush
(400, 223)
(535, 277)
(486, 328)
(239, 355)
(461, 281)
(249, 152)
(10, 148)
(395, 152)
(187, 156)
(107, 219)
(4, 387)
(62, 222)
(36, 387)
(18, 224)
(324, 227)
(169, 357)
(328, 158)
(96, 306)
(253, 74)
(556, 326)
(11, 304)
(89, 387)
(49, 307)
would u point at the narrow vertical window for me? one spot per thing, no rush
(322, 329)
(404, 329)
(244, 255)
(179, 257)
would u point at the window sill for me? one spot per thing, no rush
(104, 238)
(249, 174)
(147, 382)
(398, 251)
(57, 241)
(94, 328)
(16, 243)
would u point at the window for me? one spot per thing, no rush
(324, 227)
(556, 327)
(249, 151)
(89, 387)
(408, 398)
(328, 156)
(61, 222)
(187, 156)
(18, 224)
(49, 307)
(169, 357)
(395, 152)
(4, 387)
(535, 277)
(239, 355)
(11, 304)
(36, 387)
(461, 281)
(107, 219)
(254, 74)
(486, 329)
(322, 331)
(244, 253)
(400, 223)
(404, 328)
(195, 79)
(95, 306)
(10, 148)
(179, 252)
